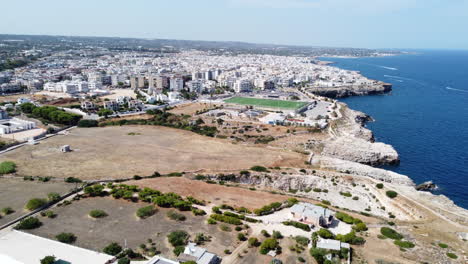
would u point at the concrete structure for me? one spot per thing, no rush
(23, 248)
(87, 105)
(111, 105)
(12, 125)
(160, 260)
(198, 254)
(176, 84)
(312, 214)
(331, 244)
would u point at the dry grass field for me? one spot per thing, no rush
(15, 193)
(122, 225)
(120, 152)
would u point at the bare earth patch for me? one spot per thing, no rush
(215, 193)
(110, 152)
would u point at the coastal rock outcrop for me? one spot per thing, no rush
(351, 141)
(346, 91)
(359, 150)
(426, 186)
(349, 167)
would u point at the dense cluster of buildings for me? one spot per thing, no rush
(85, 71)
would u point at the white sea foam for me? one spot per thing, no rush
(455, 89)
(389, 68)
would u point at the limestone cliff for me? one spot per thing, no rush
(346, 91)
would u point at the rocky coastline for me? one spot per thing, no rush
(377, 87)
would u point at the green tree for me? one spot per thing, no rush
(112, 249)
(48, 260)
(68, 238)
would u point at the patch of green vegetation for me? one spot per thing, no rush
(451, 255)
(442, 245)
(379, 185)
(270, 103)
(28, 223)
(390, 233)
(97, 214)
(67, 238)
(259, 169)
(7, 211)
(403, 244)
(112, 249)
(173, 215)
(145, 212)
(7, 167)
(391, 194)
(35, 203)
(268, 245)
(299, 225)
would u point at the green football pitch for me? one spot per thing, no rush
(269, 103)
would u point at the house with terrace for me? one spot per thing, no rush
(312, 214)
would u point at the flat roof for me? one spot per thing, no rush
(22, 248)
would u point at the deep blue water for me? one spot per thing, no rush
(425, 117)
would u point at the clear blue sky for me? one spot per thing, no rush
(340, 23)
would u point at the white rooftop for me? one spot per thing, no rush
(14, 244)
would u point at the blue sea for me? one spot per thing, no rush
(425, 117)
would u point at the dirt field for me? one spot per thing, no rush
(110, 152)
(122, 224)
(15, 193)
(214, 193)
(191, 109)
(119, 92)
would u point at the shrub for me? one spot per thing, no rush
(325, 233)
(175, 216)
(360, 227)
(259, 169)
(299, 225)
(253, 242)
(347, 218)
(379, 185)
(265, 233)
(124, 260)
(7, 167)
(225, 228)
(277, 235)
(72, 180)
(178, 238)
(241, 237)
(391, 194)
(112, 249)
(442, 245)
(268, 245)
(7, 211)
(451, 255)
(53, 197)
(226, 219)
(48, 260)
(178, 250)
(302, 240)
(95, 190)
(97, 214)
(211, 221)
(390, 233)
(49, 214)
(146, 211)
(318, 254)
(346, 194)
(66, 238)
(403, 244)
(88, 123)
(35, 203)
(201, 238)
(350, 238)
(196, 211)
